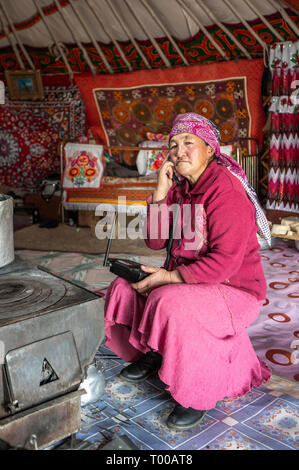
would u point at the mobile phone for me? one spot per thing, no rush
(175, 178)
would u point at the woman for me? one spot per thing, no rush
(188, 323)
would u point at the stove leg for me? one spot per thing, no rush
(73, 440)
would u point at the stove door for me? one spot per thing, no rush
(42, 370)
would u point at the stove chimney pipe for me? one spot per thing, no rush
(7, 254)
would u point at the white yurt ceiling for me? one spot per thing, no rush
(134, 13)
(54, 24)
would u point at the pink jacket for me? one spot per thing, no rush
(227, 249)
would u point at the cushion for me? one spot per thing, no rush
(227, 150)
(149, 162)
(84, 166)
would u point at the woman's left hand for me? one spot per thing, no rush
(159, 277)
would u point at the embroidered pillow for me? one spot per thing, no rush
(84, 166)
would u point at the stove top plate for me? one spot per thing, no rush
(26, 294)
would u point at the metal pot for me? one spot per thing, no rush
(7, 254)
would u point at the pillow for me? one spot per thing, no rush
(227, 149)
(148, 162)
(157, 137)
(84, 166)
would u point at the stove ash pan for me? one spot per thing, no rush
(46, 374)
(42, 370)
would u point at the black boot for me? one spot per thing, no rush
(142, 368)
(184, 418)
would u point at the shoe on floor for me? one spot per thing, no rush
(184, 418)
(143, 368)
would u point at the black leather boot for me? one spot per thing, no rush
(142, 368)
(184, 418)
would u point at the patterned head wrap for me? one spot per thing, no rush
(193, 123)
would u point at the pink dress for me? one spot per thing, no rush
(199, 326)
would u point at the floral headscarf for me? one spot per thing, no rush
(193, 123)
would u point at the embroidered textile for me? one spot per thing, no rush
(121, 109)
(128, 114)
(126, 193)
(84, 166)
(283, 177)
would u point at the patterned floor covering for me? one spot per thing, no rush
(266, 418)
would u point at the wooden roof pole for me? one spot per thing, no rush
(164, 29)
(292, 8)
(13, 45)
(52, 35)
(202, 27)
(127, 31)
(285, 16)
(91, 66)
(16, 36)
(224, 28)
(153, 41)
(96, 13)
(92, 38)
(237, 14)
(266, 22)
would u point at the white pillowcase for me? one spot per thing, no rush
(143, 160)
(227, 149)
(144, 157)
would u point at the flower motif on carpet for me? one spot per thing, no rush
(8, 149)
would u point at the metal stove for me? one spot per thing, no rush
(50, 330)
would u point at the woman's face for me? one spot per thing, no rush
(190, 155)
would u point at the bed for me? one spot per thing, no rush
(110, 193)
(129, 195)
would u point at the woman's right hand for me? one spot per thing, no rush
(164, 181)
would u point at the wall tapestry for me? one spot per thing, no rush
(121, 109)
(30, 133)
(283, 178)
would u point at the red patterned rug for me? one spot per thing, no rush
(30, 133)
(122, 108)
